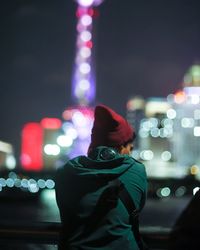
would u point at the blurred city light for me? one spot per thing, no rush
(78, 125)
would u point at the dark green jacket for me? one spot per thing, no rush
(79, 186)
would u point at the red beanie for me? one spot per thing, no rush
(109, 128)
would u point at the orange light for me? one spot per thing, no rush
(180, 97)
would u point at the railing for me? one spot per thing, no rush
(48, 233)
(33, 232)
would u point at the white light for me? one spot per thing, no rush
(192, 90)
(155, 132)
(165, 191)
(5, 147)
(84, 84)
(31, 181)
(84, 68)
(196, 131)
(171, 113)
(194, 99)
(143, 133)
(86, 20)
(72, 132)
(85, 36)
(163, 133)
(10, 182)
(197, 114)
(52, 149)
(12, 175)
(196, 189)
(79, 92)
(32, 186)
(146, 155)
(147, 125)
(41, 183)
(170, 98)
(50, 184)
(85, 52)
(67, 125)
(64, 141)
(187, 122)
(79, 59)
(168, 123)
(2, 182)
(85, 3)
(83, 132)
(17, 183)
(166, 156)
(153, 122)
(78, 119)
(167, 132)
(24, 183)
(135, 154)
(10, 162)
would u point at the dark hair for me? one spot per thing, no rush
(131, 140)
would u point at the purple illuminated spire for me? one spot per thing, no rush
(83, 83)
(79, 119)
(88, 3)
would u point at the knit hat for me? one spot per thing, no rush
(110, 128)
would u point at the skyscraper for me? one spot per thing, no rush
(185, 115)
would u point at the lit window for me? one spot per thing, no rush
(196, 131)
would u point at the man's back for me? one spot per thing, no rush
(88, 221)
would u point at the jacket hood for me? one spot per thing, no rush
(102, 162)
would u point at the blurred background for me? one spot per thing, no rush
(61, 58)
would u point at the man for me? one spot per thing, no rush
(93, 218)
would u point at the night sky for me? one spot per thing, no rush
(142, 48)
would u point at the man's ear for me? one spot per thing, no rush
(121, 149)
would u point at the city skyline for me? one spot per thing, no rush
(141, 49)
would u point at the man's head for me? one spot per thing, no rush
(112, 130)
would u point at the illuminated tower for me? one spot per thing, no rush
(79, 118)
(83, 82)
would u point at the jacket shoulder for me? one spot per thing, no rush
(139, 162)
